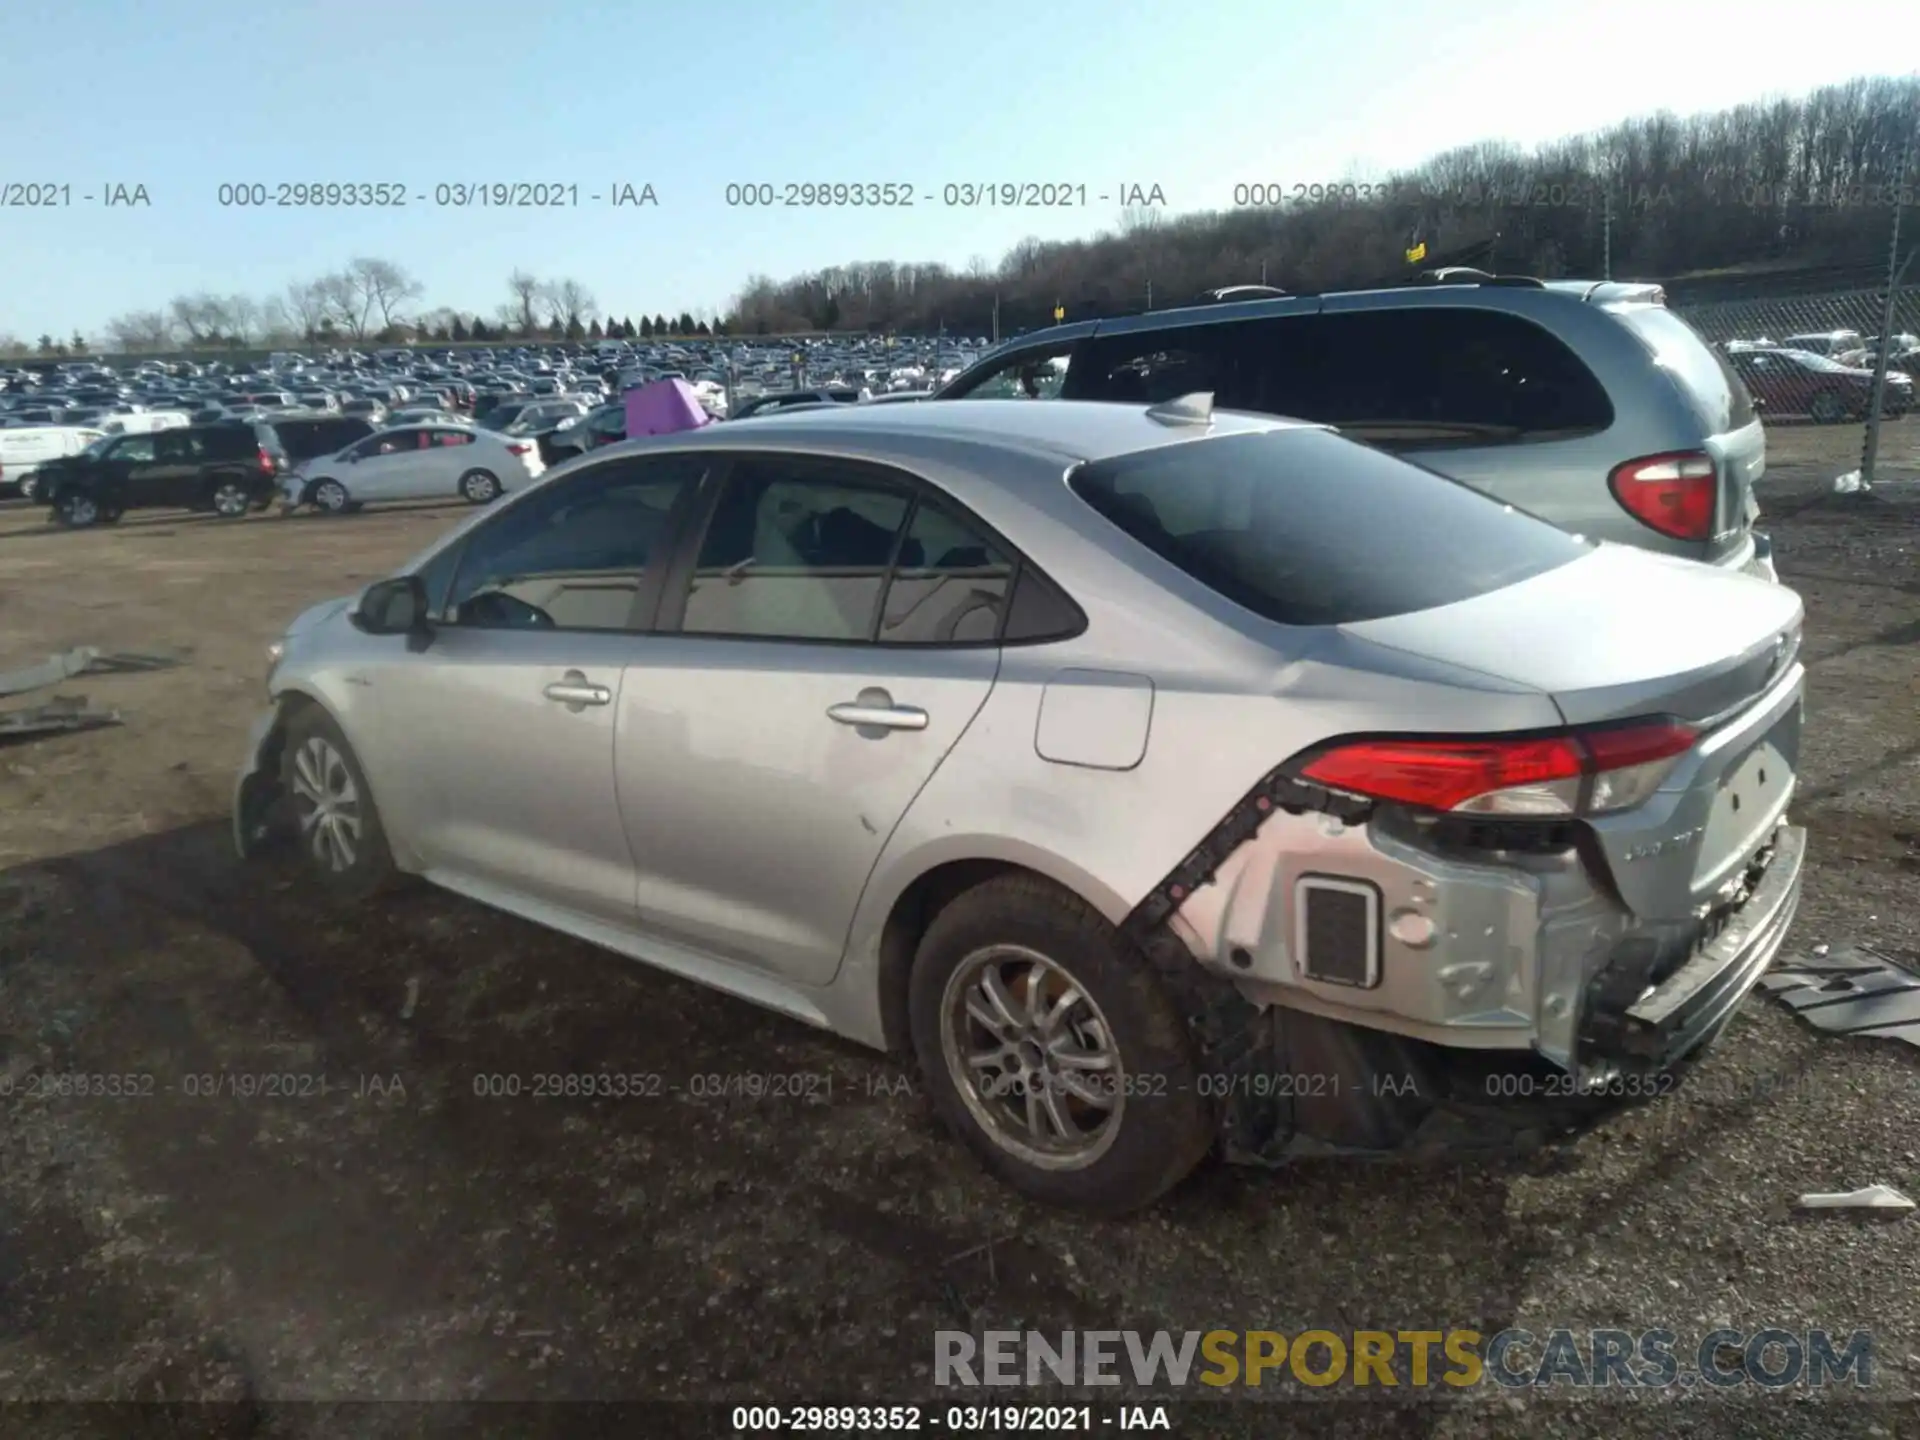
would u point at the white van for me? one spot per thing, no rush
(145, 422)
(26, 449)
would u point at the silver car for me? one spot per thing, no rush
(1159, 777)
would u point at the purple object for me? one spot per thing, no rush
(663, 408)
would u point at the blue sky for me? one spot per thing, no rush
(182, 96)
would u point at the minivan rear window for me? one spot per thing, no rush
(1304, 527)
(1699, 369)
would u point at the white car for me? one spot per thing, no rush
(415, 462)
(24, 449)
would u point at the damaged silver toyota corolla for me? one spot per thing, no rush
(1160, 778)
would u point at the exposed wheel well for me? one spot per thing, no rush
(912, 913)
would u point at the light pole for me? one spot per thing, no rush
(1870, 448)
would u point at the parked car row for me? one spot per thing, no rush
(1787, 380)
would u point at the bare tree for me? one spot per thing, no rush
(140, 330)
(525, 292)
(575, 305)
(346, 303)
(297, 311)
(244, 318)
(380, 289)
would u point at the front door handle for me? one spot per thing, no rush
(576, 692)
(880, 717)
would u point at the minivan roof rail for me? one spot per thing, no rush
(1467, 275)
(1228, 294)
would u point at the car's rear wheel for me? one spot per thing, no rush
(481, 487)
(230, 499)
(29, 487)
(1051, 1047)
(339, 829)
(1827, 408)
(76, 510)
(329, 496)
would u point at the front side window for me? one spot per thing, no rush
(1037, 374)
(798, 549)
(1150, 367)
(135, 450)
(1305, 528)
(572, 556)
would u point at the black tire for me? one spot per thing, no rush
(329, 496)
(480, 487)
(1827, 408)
(1158, 1129)
(229, 499)
(77, 510)
(317, 760)
(29, 487)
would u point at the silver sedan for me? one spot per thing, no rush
(1162, 779)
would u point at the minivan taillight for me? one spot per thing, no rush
(266, 460)
(1576, 772)
(1675, 493)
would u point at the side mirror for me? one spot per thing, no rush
(393, 607)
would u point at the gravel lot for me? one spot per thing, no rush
(401, 1238)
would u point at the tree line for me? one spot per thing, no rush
(1807, 183)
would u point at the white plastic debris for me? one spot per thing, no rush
(1873, 1197)
(1851, 483)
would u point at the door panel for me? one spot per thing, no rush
(513, 785)
(753, 814)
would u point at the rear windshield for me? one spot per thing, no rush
(1700, 369)
(1307, 528)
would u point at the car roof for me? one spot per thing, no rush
(1073, 430)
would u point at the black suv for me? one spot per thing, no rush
(307, 437)
(229, 469)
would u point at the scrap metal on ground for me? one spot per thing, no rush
(1850, 990)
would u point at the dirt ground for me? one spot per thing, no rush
(388, 1234)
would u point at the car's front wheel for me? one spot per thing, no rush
(76, 510)
(339, 829)
(481, 487)
(1048, 1043)
(330, 497)
(1827, 408)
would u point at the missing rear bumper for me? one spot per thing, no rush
(1636, 1018)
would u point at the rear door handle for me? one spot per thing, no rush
(882, 717)
(575, 691)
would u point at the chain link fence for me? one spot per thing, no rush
(1815, 361)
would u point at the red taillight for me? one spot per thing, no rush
(266, 461)
(518, 449)
(1577, 772)
(1675, 494)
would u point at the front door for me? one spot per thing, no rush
(508, 716)
(834, 638)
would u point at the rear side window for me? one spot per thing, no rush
(1305, 528)
(1420, 376)
(1152, 366)
(1701, 371)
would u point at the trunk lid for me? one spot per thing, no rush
(1619, 633)
(1624, 633)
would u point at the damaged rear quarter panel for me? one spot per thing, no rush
(1113, 836)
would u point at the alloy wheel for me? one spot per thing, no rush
(328, 804)
(1033, 1057)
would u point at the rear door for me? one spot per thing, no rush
(176, 477)
(827, 635)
